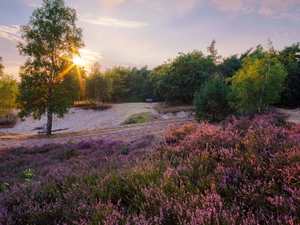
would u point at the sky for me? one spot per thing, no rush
(136, 33)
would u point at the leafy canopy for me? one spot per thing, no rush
(212, 98)
(178, 79)
(98, 86)
(258, 83)
(51, 38)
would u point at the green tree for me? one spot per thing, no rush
(213, 52)
(1, 67)
(51, 38)
(290, 58)
(98, 86)
(119, 74)
(8, 94)
(229, 66)
(258, 83)
(178, 79)
(212, 98)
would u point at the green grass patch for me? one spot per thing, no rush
(140, 118)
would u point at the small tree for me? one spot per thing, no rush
(98, 86)
(212, 98)
(258, 83)
(8, 95)
(51, 37)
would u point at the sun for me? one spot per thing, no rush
(78, 61)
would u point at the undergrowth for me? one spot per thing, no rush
(241, 171)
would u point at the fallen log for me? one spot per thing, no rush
(43, 132)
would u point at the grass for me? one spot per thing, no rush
(140, 118)
(65, 134)
(164, 108)
(242, 171)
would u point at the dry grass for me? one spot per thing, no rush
(65, 134)
(4, 123)
(164, 108)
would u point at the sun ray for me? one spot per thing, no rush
(60, 76)
(80, 79)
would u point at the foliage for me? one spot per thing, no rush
(140, 118)
(8, 95)
(1, 67)
(29, 174)
(290, 58)
(118, 74)
(213, 52)
(51, 36)
(229, 66)
(258, 83)
(138, 85)
(98, 86)
(178, 79)
(242, 171)
(212, 98)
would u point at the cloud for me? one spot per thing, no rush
(184, 6)
(247, 10)
(10, 32)
(229, 5)
(266, 11)
(33, 5)
(112, 22)
(130, 54)
(90, 55)
(285, 31)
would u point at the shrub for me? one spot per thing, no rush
(242, 171)
(212, 99)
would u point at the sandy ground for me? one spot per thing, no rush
(293, 115)
(84, 119)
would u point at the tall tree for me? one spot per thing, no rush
(1, 67)
(51, 37)
(213, 52)
(258, 83)
(290, 58)
(212, 98)
(8, 93)
(178, 79)
(98, 86)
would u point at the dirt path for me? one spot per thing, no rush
(126, 133)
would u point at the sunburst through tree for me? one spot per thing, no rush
(49, 38)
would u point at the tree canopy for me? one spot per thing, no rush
(290, 58)
(178, 79)
(212, 98)
(98, 86)
(258, 83)
(51, 38)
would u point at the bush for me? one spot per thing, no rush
(212, 99)
(242, 171)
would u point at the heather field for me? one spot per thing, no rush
(240, 171)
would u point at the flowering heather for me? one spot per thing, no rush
(241, 171)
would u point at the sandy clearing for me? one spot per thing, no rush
(293, 115)
(84, 119)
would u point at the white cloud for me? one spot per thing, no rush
(113, 22)
(266, 11)
(285, 31)
(229, 5)
(33, 5)
(247, 10)
(10, 32)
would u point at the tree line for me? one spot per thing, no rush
(51, 81)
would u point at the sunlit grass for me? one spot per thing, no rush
(64, 134)
(144, 117)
